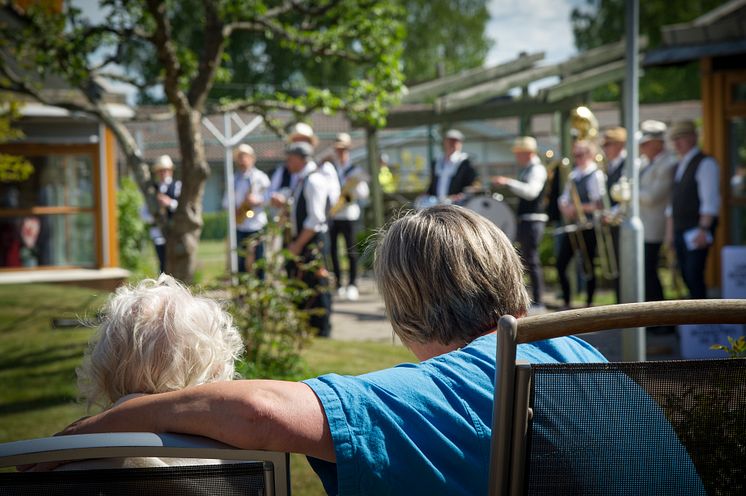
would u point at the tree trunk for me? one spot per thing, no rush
(184, 229)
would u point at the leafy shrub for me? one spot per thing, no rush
(215, 225)
(266, 312)
(131, 229)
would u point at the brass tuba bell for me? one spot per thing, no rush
(583, 123)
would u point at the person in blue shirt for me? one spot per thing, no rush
(446, 276)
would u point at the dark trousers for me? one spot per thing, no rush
(241, 237)
(692, 266)
(614, 230)
(566, 252)
(315, 279)
(529, 235)
(160, 251)
(347, 229)
(653, 288)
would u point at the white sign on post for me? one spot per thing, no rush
(696, 340)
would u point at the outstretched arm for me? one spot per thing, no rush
(269, 415)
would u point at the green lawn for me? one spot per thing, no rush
(37, 363)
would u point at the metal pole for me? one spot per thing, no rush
(376, 193)
(230, 194)
(631, 230)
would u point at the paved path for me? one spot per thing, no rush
(365, 320)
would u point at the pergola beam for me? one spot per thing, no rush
(584, 82)
(448, 84)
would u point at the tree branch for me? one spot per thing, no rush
(214, 44)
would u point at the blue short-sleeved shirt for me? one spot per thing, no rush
(422, 428)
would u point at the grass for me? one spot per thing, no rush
(37, 364)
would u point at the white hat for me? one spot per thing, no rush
(343, 141)
(455, 134)
(525, 144)
(303, 132)
(244, 148)
(163, 162)
(652, 130)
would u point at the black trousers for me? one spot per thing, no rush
(317, 280)
(160, 251)
(653, 287)
(241, 237)
(692, 266)
(529, 235)
(347, 229)
(566, 252)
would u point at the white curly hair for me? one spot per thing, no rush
(157, 337)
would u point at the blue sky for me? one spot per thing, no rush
(531, 26)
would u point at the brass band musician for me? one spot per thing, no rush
(581, 198)
(250, 186)
(168, 192)
(613, 145)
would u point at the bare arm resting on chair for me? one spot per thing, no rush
(270, 415)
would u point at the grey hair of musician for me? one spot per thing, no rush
(447, 275)
(157, 337)
(587, 145)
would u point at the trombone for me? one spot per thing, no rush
(575, 230)
(605, 241)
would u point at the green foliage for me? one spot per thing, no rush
(601, 22)
(736, 347)
(446, 31)
(12, 168)
(267, 313)
(131, 229)
(215, 225)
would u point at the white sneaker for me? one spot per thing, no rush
(352, 293)
(341, 293)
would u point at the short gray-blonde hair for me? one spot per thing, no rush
(447, 275)
(157, 337)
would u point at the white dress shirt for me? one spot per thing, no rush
(315, 194)
(445, 169)
(259, 184)
(533, 178)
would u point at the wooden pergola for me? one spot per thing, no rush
(502, 91)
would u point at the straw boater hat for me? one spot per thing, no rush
(615, 135)
(304, 132)
(162, 163)
(244, 148)
(455, 134)
(525, 144)
(343, 141)
(683, 128)
(652, 130)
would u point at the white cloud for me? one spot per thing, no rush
(530, 26)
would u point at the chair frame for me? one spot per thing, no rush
(511, 412)
(145, 444)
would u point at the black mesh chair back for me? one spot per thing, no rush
(235, 471)
(676, 427)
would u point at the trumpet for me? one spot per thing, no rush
(244, 210)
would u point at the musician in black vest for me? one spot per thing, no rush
(452, 173)
(529, 188)
(167, 196)
(309, 226)
(585, 186)
(613, 146)
(695, 204)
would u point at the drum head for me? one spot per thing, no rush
(496, 212)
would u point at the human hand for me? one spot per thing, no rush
(164, 200)
(277, 200)
(76, 427)
(499, 180)
(700, 239)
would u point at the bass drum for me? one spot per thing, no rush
(496, 211)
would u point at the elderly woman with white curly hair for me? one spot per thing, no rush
(446, 276)
(155, 337)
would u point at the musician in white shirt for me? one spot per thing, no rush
(346, 214)
(453, 173)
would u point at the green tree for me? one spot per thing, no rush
(599, 22)
(448, 31)
(186, 43)
(12, 167)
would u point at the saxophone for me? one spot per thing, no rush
(350, 184)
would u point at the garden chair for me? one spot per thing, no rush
(244, 473)
(625, 419)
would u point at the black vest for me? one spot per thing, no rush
(535, 206)
(685, 201)
(612, 179)
(285, 183)
(301, 208)
(581, 185)
(170, 191)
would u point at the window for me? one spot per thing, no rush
(49, 217)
